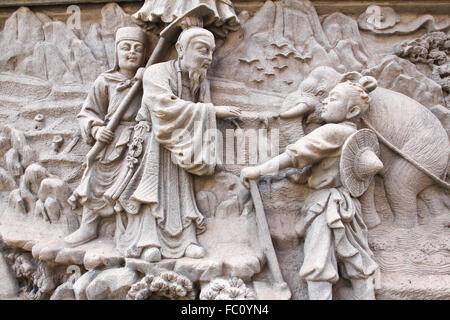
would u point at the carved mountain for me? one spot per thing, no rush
(100, 38)
(402, 76)
(285, 40)
(346, 42)
(22, 31)
(35, 45)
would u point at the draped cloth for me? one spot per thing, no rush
(155, 13)
(332, 223)
(102, 101)
(158, 201)
(335, 234)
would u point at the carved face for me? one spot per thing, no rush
(334, 108)
(345, 102)
(130, 54)
(198, 54)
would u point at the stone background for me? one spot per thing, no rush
(46, 69)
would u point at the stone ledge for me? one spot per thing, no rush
(322, 6)
(224, 258)
(14, 3)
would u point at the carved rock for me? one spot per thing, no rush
(79, 287)
(167, 284)
(112, 284)
(8, 282)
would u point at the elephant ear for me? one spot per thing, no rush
(353, 76)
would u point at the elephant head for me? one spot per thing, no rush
(304, 104)
(310, 93)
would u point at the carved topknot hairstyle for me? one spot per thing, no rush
(361, 91)
(368, 83)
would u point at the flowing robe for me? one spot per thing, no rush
(156, 193)
(332, 221)
(109, 89)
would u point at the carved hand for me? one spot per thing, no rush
(104, 135)
(224, 112)
(249, 173)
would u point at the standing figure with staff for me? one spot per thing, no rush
(109, 92)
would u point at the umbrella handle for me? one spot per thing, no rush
(158, 52)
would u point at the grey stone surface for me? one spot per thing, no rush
(265, 86)
(8, 284)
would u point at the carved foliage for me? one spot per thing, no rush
(167, 284)
(36, 279)
(231, 289)
(432, 49)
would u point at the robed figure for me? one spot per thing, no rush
(102, 102)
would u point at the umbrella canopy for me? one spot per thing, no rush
(156, 14)
(359, 161)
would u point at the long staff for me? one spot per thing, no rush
(266, 241)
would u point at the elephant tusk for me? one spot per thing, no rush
(299, 110)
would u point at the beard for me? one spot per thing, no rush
(196, 76)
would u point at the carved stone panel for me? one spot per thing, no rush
(224, 149)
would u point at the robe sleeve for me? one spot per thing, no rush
(94, 109)
(319, 144)
(183, 127)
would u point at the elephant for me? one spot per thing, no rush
(404, 122)
(304, 101)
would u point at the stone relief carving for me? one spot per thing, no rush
(36, 279)
(168, 284)
(332, 222)
(388, 103)
(203, 150)
(221, 19)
